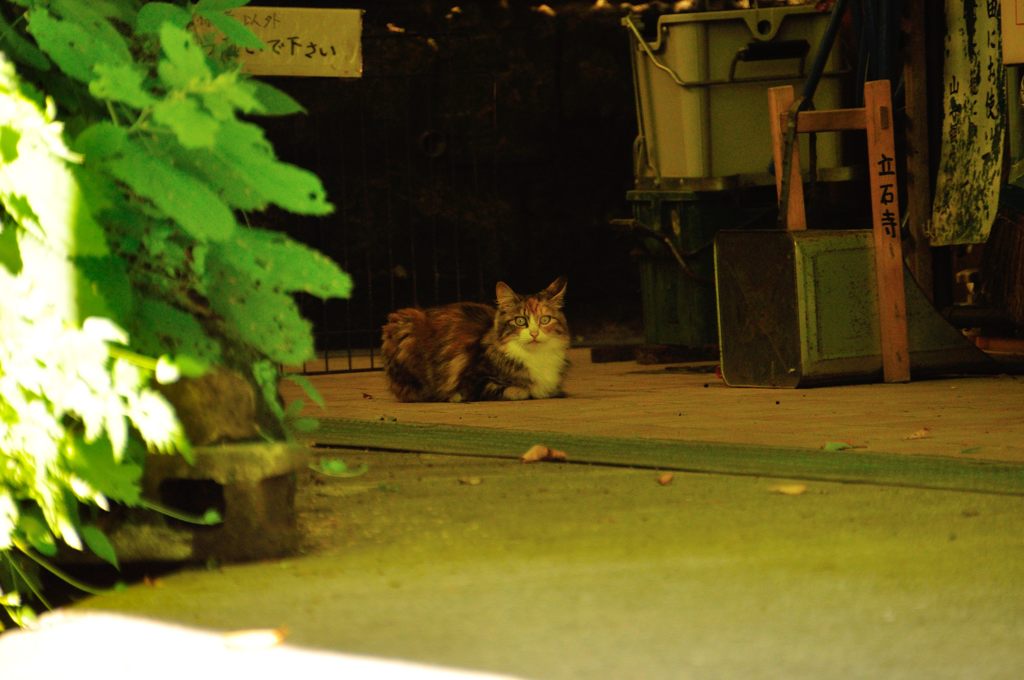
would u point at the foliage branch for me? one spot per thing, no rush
(127, 159)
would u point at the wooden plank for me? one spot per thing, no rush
(858, 466)
(885, 208)
(780, 100)
(830, 121)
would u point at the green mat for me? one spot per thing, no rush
(852, 465)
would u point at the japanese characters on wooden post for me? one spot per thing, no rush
(892, 305)
(301, 41)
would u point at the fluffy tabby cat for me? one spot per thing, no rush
(469, 351)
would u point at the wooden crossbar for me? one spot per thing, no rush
(876, 119)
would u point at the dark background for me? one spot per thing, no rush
(489, 144)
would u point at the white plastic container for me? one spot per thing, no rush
(702, 92)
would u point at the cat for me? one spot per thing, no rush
(468, 351)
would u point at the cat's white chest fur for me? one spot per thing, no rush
(546, 365)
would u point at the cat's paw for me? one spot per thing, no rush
(516, 393)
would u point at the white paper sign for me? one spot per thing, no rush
(301, 41)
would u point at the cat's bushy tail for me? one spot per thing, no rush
(398, 345)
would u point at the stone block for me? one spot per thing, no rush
(251, 485)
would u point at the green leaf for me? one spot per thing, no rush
(233, 29)
(274, 102)
(191, 367)
(218, 175)
(836, 446)
(10, 253)
(219, 5)
(185, 66)
(211, 517)
(101, 140)
(267, 376)
(183, 197)
(94, 10)
(244, 147)
(114, 9)
(307, 387)
(9, 138)
(102, 288)
(171, 369)
(154, 15)
(17, 48)
(304, 424)
(120, 83)
(294, 408)
(77, 48)
(98, 542)
(264, 319)
(41, 193)
(193, 127)
(286, 265)
(227, 92)
(37, 533)
(336, 467)
(158, 327)
(94, 462)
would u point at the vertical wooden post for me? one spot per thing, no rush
(918, 180)
(780, 100)
(885, 206)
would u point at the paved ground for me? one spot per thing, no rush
(568, 571)
(977, 417)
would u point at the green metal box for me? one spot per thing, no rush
(678, 304)
(797, 309)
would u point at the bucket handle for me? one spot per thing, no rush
(783, 49)
(770, 51)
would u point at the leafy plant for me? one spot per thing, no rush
(127, 160)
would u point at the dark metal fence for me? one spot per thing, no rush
(453, 162)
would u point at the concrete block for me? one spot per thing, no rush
(252, 486)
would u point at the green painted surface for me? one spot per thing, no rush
(679, 309)
(584, 571)
(812, 319)
(852, 465)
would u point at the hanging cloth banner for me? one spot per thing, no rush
(973, 125)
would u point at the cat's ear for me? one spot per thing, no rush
(506, 296)
(556, 291)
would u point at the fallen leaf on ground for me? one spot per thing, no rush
(257, 638)
(923, 433)
(539, 452)
(470, 481)
(971, 449)
(336, 467)
(789, 489)
(836, 446)
(665, 478)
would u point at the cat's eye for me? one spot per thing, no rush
(519, 321)
(545, 320)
